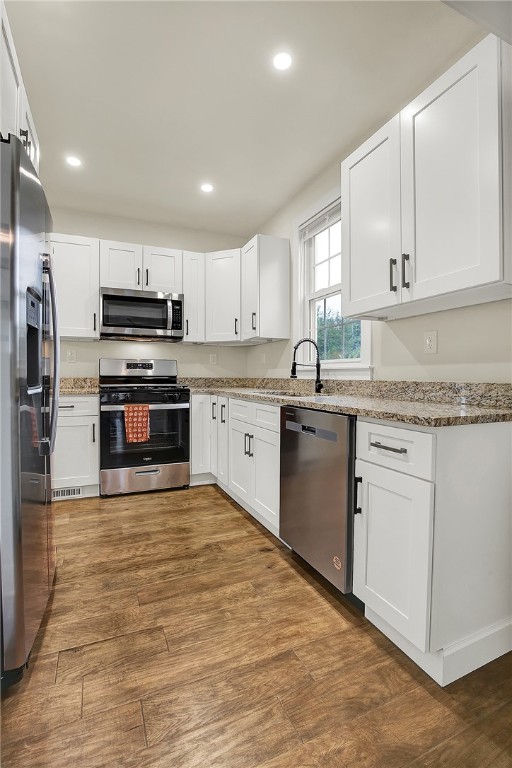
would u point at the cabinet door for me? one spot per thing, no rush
(163, 270)
(223, 295)
(222, 441)
(370, 223)
(75, 461)
(200, 434)
(250, 290)
(213, 434)
(264, 446)
(10, 81)
(393, 549)
(28, 131)
(451, 178)
(241, 474)
(194, 296)
(76, 267)
(120, 265)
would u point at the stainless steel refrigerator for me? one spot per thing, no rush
(29, 387)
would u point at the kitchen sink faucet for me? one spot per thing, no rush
(293, 375)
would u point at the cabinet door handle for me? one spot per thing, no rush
(236, 326)
(138, 275)
(405, 258)
(254, 321)
(389, 448)
(246, 450)
(222, 412)
(392, 286)
(214, 411)
(147, 277)
(251, 453)
(186, 324)
(357, 480)
(94, 433)
(94, 321)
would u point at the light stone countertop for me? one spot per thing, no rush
(417, 412)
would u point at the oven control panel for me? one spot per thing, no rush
(139, 366)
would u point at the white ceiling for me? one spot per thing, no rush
(156, 97)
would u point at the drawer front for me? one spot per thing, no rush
(240, 410)
(79, 405)
(266, 416)
(404, 450)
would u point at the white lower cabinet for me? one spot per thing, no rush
(393, 548)
(200, 425)
(265, 496)
(222, 441)
(240, 466)
(254, 461)
(75, 463)
(432, 546)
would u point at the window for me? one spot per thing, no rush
(339, 340)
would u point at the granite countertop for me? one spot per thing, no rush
(418, 412)
(422, 412)
(79, 385)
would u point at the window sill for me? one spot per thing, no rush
(339, 371)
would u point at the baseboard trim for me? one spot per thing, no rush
(205, 478)
(457, 659)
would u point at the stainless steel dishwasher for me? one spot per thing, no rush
(317, 490)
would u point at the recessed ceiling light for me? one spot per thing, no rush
(74, 161)
(282, 60)
(206, 187)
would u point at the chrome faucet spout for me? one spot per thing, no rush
(293, 374)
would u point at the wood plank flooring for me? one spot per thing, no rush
(181, 634)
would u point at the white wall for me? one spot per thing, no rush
(193, 360)
(475, 343)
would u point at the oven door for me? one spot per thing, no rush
(134, 313)
(169, 437)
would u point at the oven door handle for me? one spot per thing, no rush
(152, 407)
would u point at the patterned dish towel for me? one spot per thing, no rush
(136, 423)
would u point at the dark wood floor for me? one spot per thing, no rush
(180, 634)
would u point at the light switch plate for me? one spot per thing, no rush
(71, 356)
(213, 359)
(430, 342)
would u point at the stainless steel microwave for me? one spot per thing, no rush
(142, 314)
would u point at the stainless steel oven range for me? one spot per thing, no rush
(157, 457)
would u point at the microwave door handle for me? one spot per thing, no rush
(169, 314)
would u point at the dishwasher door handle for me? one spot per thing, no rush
(305, 429)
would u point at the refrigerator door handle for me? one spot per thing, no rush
(56, 357)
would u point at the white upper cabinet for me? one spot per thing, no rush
(28, 131)
(265, 288)
(223, 295)
(194, 296)
(451, 173)
(370, 195)
(10, 81)
(15, 114)
(162, 270)
(120, 265)
(76, 269)
(426, 202)
(140, 268)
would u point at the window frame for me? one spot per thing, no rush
(354, 368)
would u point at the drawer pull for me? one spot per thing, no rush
(65, 407)
(389, 448)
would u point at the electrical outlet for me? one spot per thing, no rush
(430, 342)
(71, 356)
(213, 359)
